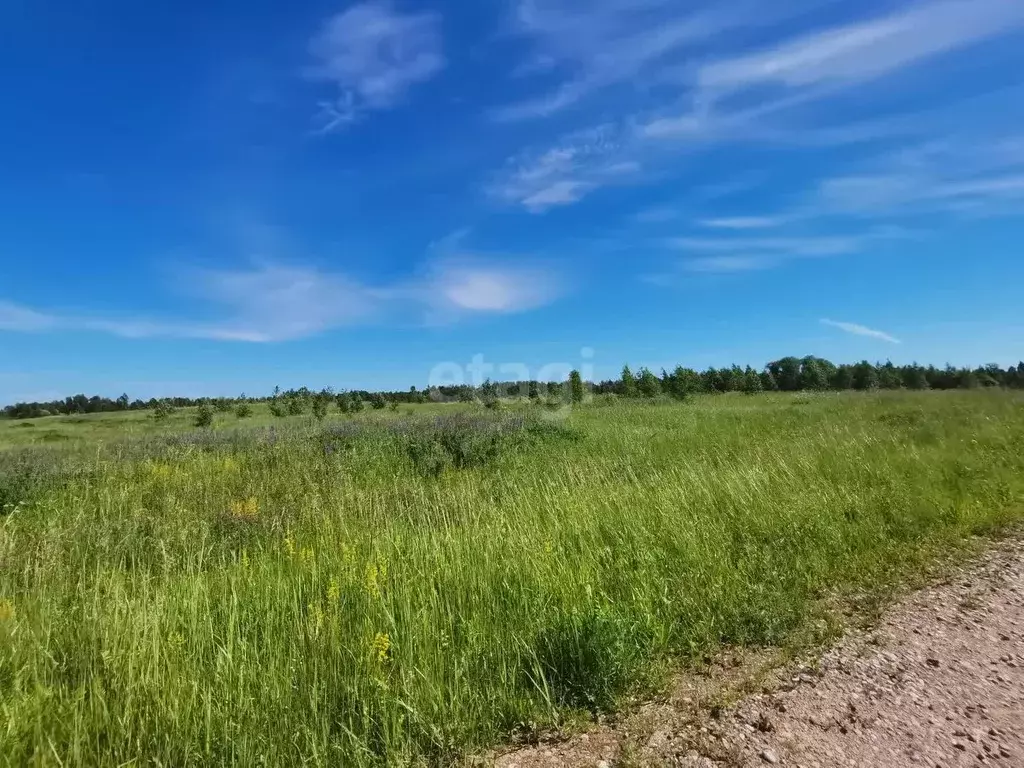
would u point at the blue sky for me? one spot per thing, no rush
(206, 198)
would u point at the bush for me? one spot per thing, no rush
(320, 408)
(204, 416)
(243, 411)
(163, 410)
(377, 401)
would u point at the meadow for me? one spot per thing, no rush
(412, 587)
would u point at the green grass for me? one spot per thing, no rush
(324, 600)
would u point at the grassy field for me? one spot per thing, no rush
(404, 588)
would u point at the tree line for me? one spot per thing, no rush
(788, 374)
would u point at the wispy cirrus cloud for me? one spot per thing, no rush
(861, 330)
(744, 222)
(565, 173)
(864, 51)
(373, 54)
(589, 46)
(275, 302)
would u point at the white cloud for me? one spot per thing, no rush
(786, 246)
(280, 303)
(14, 317)
(373, 54)
(560, 193)
(566, 172)
(744, 222)
(730, 263)
(861, 330)
(466, 285)
(860, 52)
(601, 43)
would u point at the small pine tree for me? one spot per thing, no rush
(357, 403)
(377, 401)
(577, 390)
(751, 382)
(768, 383)
(319, 407)
(628, 386)
(204, 416)
(163, 410)
(243, 410)
(534, 391)
(647, 383)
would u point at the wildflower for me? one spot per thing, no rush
(347, 554)
(376, 575)
(175, 641)
(289, 545)
(245, 559)
(306, 556)
(244, 509)
(7, 612)
(381, 648)
(316, 617)
(549, 547)
(333, 592)
(372, 581)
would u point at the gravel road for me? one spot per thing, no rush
(939, 681)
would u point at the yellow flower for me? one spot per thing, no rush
(376, 575)
(333, 592)
(175, 641)
(289, 545)
(244, 509)
(306, 556)
(347, 553)
(7, 612)
(549, 547)
(381, 648)
(316, 617)
(245, 559)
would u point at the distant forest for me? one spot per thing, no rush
(790, 374)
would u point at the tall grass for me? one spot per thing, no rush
(404, 592)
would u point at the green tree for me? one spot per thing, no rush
(122, 402)
(842, 379)
(889, 377)
(357, 403)
(319, 407)
(915, 377)
(577, 390)
(865, 376)
(786, 373)
(768, 383)
(377, 401)
(647, 383)
(204, 416)
(628, 383)
(751, 381)
(243, 410)
(163, 410)
(814, 374)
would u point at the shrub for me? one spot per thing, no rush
(320, 407)
(377, 401)
(243, 410)
(204, 416)
(163, 410)
(577, 390)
